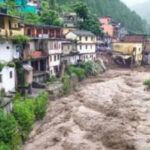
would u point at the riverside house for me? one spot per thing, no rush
(70, 55)
(9, 26)
(43, 50)
(85, 43)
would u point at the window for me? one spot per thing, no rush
(0, 78)
(50, 58)
(55, 56)
(80, 47)
(2, 22)
(29, 32)
(92, 38)
(86, 46)
(80, 38)
(86, 38)
(10, 27)
(11, 74)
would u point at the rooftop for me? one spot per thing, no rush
(7, 15)
(82, 32)
(45, 26)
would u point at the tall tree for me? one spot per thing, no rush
(81, 9)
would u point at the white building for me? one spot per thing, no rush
(54, 56)
(8, 52)
(70, 55)
(85, 42)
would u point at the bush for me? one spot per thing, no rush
(11, 64)
(147, 83)
(24, 115)
(78, 71)
(4, 146)
(20, 39)
(52, 78)
(91, 68)
(66, 84)
(40, 105)
(8, 132)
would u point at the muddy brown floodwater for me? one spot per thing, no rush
(109, 112)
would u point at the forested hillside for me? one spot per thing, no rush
(52, 9)
(114, 8)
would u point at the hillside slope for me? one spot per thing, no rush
(114, 8)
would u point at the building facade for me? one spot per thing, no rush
(109, 26)
(9, 27)
(85, 43)
(70, 55)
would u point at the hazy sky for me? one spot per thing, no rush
(133, 2)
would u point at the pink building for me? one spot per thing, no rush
(108, 26)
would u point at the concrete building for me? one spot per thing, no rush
(109, 26)
(10, 25)
(45, 42)
(8, 52)
(70, 55)
(85, 43)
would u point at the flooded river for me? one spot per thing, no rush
(109, 112)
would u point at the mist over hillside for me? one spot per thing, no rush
(143, 9)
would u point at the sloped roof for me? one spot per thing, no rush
(82, 33)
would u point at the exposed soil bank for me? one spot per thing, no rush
(110, 112)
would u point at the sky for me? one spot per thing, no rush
(133, 2)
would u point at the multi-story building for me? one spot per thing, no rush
(49, 40)
(85, 43)
(70, 55)
(109, 26)
(9, 26)
(43, 31)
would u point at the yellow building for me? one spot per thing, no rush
(128, 50)
(10, 25)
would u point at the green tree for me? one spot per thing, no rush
(4, 146)
(9, 131)
(86, 20)
(50, 17)
(81, 9)
(91, 24)
(52, 4)
(24, 116)
(32, 18)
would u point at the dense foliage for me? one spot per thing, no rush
(26, 111)
(114, 8)
(91, 68)
(51, 9)
(15, 127)
(86, 20)
(9, 137)
(79, 72)
(4, 146)
(24, 116)
(40, 105)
